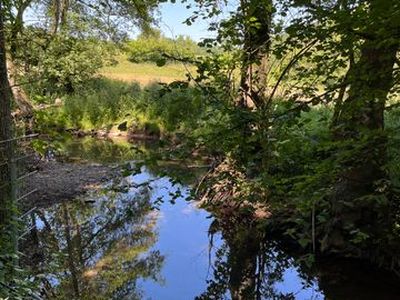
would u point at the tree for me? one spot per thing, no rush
(73, 39)
(333, 52)
(360, 119)
(16, 13)
(156, 48)
(255, 22)
(8, 236)
(356, 44)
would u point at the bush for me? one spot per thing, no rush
(158, 49)
(64, 65)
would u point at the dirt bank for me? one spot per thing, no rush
(61, 181)
(129, 134)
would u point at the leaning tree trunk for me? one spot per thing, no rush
(359, 125)
(25, 108)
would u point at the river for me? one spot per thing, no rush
(139, 238)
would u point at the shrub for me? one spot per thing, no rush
(65, 64)
(155, 48)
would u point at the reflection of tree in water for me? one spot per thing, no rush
(106, 151)
(97, 150)
(97, 250)
(246, 268)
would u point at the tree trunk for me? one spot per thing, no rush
(8, 236)
(6, 149)
(70, 247)
(19, 95)
(56, 17)
(359, 123)
(64, 13)
(256, 45)
(17, 27)
(60, 18)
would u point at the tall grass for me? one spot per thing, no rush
(105, 103)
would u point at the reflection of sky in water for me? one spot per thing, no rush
(183, 239)
(293, 284)
(39, 224)
(180, 234)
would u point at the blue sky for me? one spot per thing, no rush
(171, 17)
(171, 24)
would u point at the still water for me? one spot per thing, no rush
(128, 241)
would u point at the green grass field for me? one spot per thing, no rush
(145, 73)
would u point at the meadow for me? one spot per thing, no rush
(145, 73)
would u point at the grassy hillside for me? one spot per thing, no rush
(145, 73)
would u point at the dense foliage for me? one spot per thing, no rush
(305, 131)
(158, 49)
(66, 65)
(297, 114)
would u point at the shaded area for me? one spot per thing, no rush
(249, 266)
(70, 167)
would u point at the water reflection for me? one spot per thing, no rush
(148, 153)
(113, 245)
(249, 266)
(98, 150)
(97, 248)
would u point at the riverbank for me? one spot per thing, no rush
(56, 181)
(118, 131)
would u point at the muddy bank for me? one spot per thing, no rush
(118, 131)
(56, 181)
